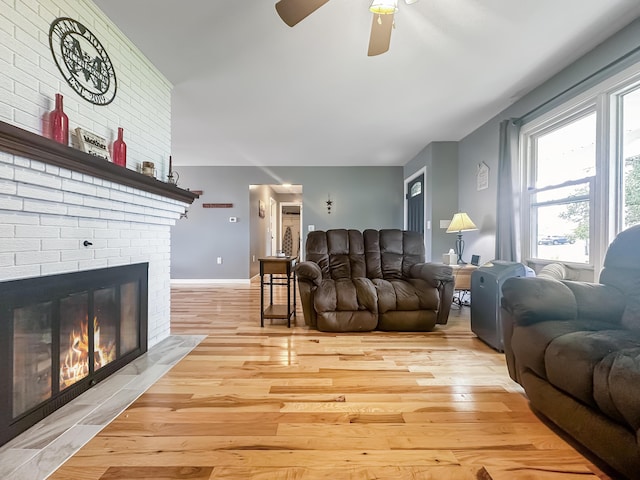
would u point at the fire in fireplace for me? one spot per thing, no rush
(61, 334)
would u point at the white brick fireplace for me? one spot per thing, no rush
(48, 213)
(54, 198)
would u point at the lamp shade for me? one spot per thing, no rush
(461, 223)
(384, 7)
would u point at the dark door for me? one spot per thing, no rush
(415, 205)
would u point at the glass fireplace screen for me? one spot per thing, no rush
(61, 334)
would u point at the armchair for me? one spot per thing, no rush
(575, 348)
(359, 281)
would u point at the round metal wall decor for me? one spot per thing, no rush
(83, 61)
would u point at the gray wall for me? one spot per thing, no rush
(368, 197)
(363, 197)
(441, 191)
(482, 144)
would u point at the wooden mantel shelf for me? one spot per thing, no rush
(26, 144)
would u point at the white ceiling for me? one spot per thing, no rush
(249, 90)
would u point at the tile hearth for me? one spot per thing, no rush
(39, 451)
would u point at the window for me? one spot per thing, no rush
(416, 189)
(581, 173)
(630, 105)
(560, 194)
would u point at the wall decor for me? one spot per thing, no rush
(148, 169)
(172, 176)
(83, 61)
(482, 176)
(92, 143)
(217, 205)
(120, 149)
(262, 209)
(59, 122)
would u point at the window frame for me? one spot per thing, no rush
(606, 186)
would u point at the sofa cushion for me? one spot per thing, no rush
(531, 341)
(616, 386)
(347, 294)
(621, 267)
(570, 359)
(391, 253)
(627, 281)
(405, 295)
(404, 321)
(358, 321)
(339, 253)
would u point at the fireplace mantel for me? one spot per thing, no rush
(21, 142)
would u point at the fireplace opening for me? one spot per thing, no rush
(61, 334)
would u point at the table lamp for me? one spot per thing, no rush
(460, 223)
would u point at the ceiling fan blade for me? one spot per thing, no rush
(380, 34)
(294, 11)
(409, 2)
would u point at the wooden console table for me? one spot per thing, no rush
(462, 282)
(281, 272)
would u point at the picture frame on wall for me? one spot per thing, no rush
(262, 209)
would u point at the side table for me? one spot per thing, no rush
(281, 272)
(462, 283)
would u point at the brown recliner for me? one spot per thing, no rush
(354, 281)
(575, 349)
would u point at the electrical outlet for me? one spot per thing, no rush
(253, 258)
(219, 260)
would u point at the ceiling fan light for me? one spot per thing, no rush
(384, 7)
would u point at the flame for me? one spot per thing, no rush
(76, 361)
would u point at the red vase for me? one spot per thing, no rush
(59, 122)
(120, 150)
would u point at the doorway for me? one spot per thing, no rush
(415, 206)
(414, 189)
(291, 228)
(273, 227)
(266, 219)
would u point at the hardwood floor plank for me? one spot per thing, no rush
(353, 473)
(158, 473)
(297, 404)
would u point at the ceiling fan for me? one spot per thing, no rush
(293, 11)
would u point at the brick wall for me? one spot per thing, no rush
(46, 212)
(29, 80)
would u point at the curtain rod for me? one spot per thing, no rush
(604, 69)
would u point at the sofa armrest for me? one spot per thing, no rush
(434, 273)
(536, 299)
(597, 301)
(530, 300)
(439, 276)
(309, 272)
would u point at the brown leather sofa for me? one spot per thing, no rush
(575, 348)
(354, 281)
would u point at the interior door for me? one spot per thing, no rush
(415, 205)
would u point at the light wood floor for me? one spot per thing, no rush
(277, 403)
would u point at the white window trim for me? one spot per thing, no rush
(606, 216)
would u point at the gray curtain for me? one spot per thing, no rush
(508, 214)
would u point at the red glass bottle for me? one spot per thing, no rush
(59, 122)
(120, 150)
